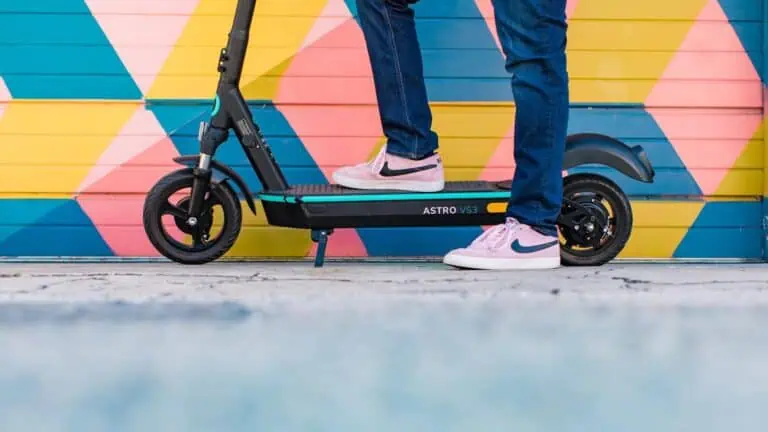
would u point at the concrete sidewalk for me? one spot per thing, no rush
(299, 284)
(382, 347)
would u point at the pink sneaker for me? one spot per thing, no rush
(510, 246)
(392, 172)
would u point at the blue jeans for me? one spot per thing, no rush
(533, 38)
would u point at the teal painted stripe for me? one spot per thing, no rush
(386, 197)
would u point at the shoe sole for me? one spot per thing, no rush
(405, 185)
(477, 263)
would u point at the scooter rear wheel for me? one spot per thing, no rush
(603, 220)
(165, 215)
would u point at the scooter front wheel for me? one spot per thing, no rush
(595, 222)
(191, 240)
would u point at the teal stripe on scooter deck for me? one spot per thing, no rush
(385, 197)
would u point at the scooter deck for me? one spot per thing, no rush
(463, 203)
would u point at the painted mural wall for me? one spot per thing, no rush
(97, 96)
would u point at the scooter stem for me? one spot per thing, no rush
(233, 56)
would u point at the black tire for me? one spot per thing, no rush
(579, 186)
(155, 207)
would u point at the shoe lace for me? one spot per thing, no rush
(373, 163)
(499, 235)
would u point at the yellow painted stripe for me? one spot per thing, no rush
(617, 35)
(188, 59)
(653, 242)
(75, 119)
(732, 198)
(647, 10)
(623, 65)
(739, 182)
(666, 213)
(272, 242)
(746, 182)
(466, 124)
(36, 195)
(659, 227)
(64, 141)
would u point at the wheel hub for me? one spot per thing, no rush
(194, 225)
(590, 222)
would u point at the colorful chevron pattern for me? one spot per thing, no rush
(97, 96)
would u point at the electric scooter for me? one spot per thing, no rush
(595, 221)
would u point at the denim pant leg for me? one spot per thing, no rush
(533, 36)
(389, 28)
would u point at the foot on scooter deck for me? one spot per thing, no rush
(463, 203)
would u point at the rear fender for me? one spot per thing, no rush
(591, 148)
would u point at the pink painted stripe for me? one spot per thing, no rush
(141, 173)
(141, 132)
(714, 79)
(705, 94)
(343, 243)
(158, 31)
(332, 16)
(312, 76)
(325, 61)
(139, 7)
(702, 124)
(501, 165)
(487, 12)
(570, 8)
(714, 66)
(331, 153)
(326, 90)
(115, 207)
(5, 94)
(5, 97)
(118, 220)
(707, 140)
(334, 121)
(333, 135)
(712, 34)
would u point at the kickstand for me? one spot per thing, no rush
(321, 238)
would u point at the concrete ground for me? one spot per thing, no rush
(382, 347)
(301, 285)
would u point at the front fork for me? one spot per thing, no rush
(210, 137)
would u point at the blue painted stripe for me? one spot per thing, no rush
(57, 71)
(48, 227)
(56, 86)
(182, 125)
(721, 243)
(743, 14)
(416, 242)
